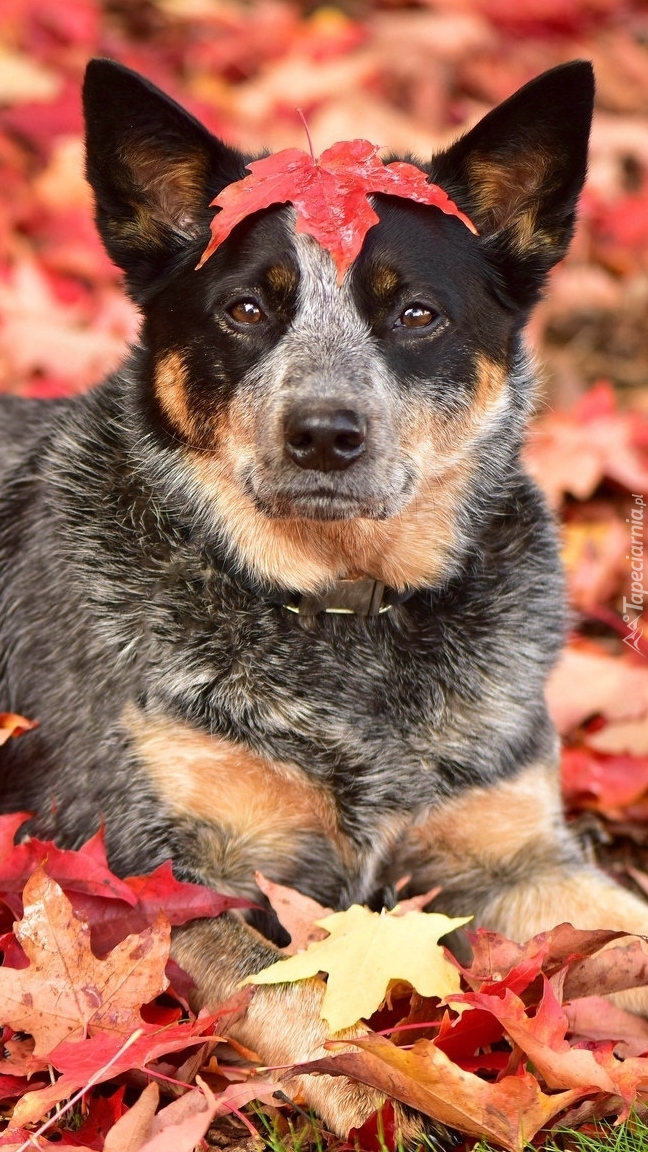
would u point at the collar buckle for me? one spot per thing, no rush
(363, 597)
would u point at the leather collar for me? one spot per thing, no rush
(364, 597)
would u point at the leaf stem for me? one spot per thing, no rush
(94, 1079)
(308, 135)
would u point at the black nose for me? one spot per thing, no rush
(325, 439)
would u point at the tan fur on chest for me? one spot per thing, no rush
(214, 779)
(490, 826)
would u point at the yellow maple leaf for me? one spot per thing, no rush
(364, 953)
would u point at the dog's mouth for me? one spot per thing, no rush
(321, 505)
(325, 501)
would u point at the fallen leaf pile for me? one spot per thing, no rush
(85, 965)
(498, 1048)
(526, 1043)
(524, 1038)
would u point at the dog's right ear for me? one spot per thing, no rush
(154, 170)
(519, 172)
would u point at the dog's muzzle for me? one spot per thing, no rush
(324, 438)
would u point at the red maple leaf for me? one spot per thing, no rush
(113, 920)
(83, 871)
(329, 195)
(114, 908)
(602, 781)
(13, 725)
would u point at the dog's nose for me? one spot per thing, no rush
(324, 439)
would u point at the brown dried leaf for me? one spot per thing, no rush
(509, 1112)
(66, 992)
(13, 725)
(610, 970)
(588, 682)
(595, 1018)
(296, 912)
(134, 1127)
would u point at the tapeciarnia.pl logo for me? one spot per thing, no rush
(633, 607)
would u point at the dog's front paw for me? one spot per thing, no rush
(345, 1104)
(283, 1024)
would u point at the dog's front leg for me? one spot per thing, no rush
(283, 1023)
(505, 854)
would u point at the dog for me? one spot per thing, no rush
(279, 590)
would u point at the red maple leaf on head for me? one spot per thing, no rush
(330, 195)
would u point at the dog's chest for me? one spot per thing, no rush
(358, 706)
(245, 812)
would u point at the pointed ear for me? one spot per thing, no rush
(154, 170)
(518, 174)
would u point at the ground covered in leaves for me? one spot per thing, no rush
(523, 1034)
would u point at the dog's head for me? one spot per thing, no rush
(327, 430)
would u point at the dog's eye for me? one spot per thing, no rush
(246, 311)
(416, 316)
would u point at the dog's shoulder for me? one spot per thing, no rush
(25, 426)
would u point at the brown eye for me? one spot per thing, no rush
(416, 316)
(246, 312)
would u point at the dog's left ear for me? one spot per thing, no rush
(518, 174)
(154, 170)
